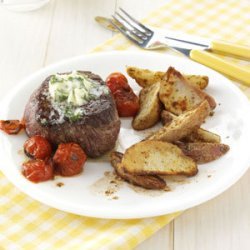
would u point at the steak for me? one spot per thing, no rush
(96, 131)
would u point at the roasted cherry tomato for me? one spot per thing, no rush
(69, 159)
(127, 103)
(37, 147)
(11, 127)
(117, 81)
(38, 170)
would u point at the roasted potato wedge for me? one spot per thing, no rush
(157, 157)
(202, 152)
(199, 135)
(202, 135)
(166, 117)
(145, 77)
(150, 108)
(178, 96)
(145, 181)
(182, 125)
(198, 81)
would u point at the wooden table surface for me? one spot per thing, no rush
(65, 28)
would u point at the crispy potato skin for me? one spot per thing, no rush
(157, 157)
(145, 181)
(202, 152)
(183, 124)
(150, 108)
(146, 77)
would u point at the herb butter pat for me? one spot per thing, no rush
(74, 88)
(69, 93)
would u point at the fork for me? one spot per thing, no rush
(150, 39)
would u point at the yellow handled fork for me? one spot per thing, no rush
(200, 50)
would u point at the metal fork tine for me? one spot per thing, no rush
(125, 32)
(131, 27)
(150, 32)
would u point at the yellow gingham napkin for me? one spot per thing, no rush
(28, 224)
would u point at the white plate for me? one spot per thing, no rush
(81, 196)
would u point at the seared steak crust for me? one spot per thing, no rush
(96, 131)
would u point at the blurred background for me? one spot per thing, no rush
(58, 30)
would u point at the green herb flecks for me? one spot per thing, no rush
(72, 113)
